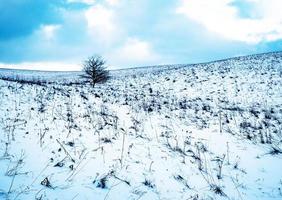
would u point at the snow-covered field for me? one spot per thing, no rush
(206, 131)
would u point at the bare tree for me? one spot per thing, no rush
(95, 70)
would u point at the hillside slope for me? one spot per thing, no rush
(203, 131)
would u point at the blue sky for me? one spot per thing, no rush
(60, 34)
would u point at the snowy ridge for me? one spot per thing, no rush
(201, 131)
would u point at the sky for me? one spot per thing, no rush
(61, 34)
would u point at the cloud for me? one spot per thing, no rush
(99, 17)
(134, 52)
(223, 17)
(102, 24)
(88, 2)
(113, 2)
(49, 31)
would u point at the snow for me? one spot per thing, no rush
(201, 131)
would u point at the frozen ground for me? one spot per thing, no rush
(206, 131)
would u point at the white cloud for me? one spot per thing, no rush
(222, 17)
(102, 23)
(89, 2)
(100, 17)
(134, 52)
(113, 2)
(49, 31)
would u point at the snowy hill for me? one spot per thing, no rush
(201, 131)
